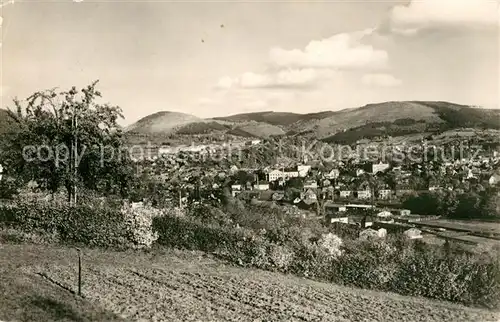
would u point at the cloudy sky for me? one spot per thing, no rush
(221, 58)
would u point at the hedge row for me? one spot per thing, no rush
(376, 264)
(90, 224)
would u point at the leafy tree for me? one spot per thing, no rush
(53, 128)
(492, 206)
(292, 193)
(295, 183)
(242, 177)
(423, 204)
(469, 206)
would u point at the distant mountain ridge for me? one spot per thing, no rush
(389, 118)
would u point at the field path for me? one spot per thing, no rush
(175, 285)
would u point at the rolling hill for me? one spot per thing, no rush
(162, 122)
(388, 118)
(275, 118)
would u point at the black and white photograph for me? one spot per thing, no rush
(253, 160)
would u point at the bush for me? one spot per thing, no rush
(91, 224)
(331, 243)
(457, 278)
(391, 264)
(139, 225)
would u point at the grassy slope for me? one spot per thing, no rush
(28, 297)
(177, 286)
(162, 122)
(275, 118)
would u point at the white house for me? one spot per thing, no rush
(364, 194)
(236, 189)
(255, 142)
(310, 184)
(277, 174)
(344, 220)
(334, 174)
(309, 194)
(380, 167)
(384, 214)
(261, 186)
(385, 193)
(345, 193)
(290, 174)
(1, 171)
(274, 175)
(303, 170)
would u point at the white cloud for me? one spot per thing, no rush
(434, 13)
(380, 80)
(341, 51)
(225, 83)
(292, 78)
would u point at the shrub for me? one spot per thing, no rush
(331, 243)
(280, 257)
(457, 278)
(139, 224)
(91, 223)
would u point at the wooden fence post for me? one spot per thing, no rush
(79, 272)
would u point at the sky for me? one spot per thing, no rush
(221, 58)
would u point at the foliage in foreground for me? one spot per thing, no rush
(408, 268)
(92, 223)
(266, 239)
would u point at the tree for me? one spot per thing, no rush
(492, 206)
(426, 204)
(469, 206)
(242, 177)
(68, 139)
(296, 183)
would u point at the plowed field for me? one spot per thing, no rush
(183, 286)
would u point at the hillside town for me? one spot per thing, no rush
(352, 190)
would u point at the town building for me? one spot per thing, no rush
(310, 184)
(261, 186)
(236, 189)
(277, 174)
(379, 167)
(364, 194)
(303, 170)
(274, 175)
(345, 193)
(334, 174)
(385, 194)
